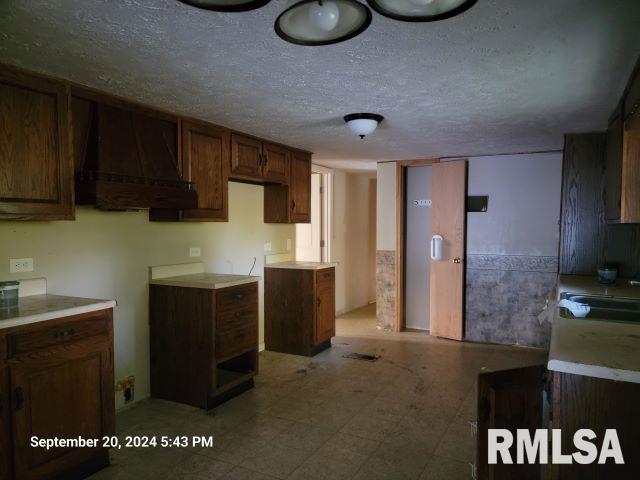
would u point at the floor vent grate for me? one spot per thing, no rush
(361, 356)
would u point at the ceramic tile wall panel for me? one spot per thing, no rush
(386, 289)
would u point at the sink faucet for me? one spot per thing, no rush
(634, 282)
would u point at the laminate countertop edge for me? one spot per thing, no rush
(302, 265)
(205, 281)
(77, 306)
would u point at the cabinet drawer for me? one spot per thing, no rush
(325, 275)
(231, 341)
(234, 319)
(237, 298)
(62, 333)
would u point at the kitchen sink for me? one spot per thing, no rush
(605, 307)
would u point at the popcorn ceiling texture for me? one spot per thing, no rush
(506, 76)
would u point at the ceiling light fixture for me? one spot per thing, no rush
(227, 5)
(363, 124)
(322, 22)
(420, 10)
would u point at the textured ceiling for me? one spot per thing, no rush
(506, 76)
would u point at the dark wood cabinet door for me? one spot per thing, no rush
(325, 305)
(300, 188)
(66, 393)
(246, 158)
(613, 171)
(509, 399)
(630, 208)
(36, 182)
(205, 160)
(276, 163)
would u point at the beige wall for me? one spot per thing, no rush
(352, 244)
(106, 255)
(386, 225)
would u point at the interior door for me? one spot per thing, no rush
(66, 397)
(446, 275)
(509, 399)
(276, 163)
(325, 305)
(205, 162)
(246, 158)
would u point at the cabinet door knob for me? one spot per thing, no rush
(318, 301)
(239, 296)
(293, 204)
(457, 260)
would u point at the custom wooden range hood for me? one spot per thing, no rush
(126, 157)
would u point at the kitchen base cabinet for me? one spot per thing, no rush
(299, 310)
(56, 380)
(204, 342)
(533, 398)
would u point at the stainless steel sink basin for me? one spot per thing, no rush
(605, 307)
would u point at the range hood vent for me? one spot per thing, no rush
(127, 159)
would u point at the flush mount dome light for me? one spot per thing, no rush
(227, 5)
(363, 124)
(322, 22)
(420, 10)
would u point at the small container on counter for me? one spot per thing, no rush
(9, 294)
(607, 275)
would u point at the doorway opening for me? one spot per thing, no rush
(312, 239)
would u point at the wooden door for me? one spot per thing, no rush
(276, 163)
(67, 392)
(509, 399)
(36, 164)
(613, 170)
(446, 276)
(325, 305)
(246, 158)
(205, 160)
(300, 185)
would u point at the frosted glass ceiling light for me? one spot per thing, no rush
(363, 124)
(420, 10)
(322, 22)
(227, 5)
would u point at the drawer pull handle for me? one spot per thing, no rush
(239, 296)
(238, 314)
(61, 334)
(19, 398)
(318, 301)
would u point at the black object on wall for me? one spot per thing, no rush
(477, 203)
(586, 241)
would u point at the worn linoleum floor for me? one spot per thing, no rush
(406, 416)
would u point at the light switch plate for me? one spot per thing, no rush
(194, 252)
(267, 247)
(17, 265)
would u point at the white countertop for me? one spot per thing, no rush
(591, 347)
(208, 281)
(39, 308)
(302, 265)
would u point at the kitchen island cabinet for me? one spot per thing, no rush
(299, 302)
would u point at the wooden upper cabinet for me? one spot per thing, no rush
(205, 162)
(300, 185)
(36, 182)
(276, 161)
(246, 158)
(630, 188)
(613, 192)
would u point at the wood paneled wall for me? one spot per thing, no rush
(586, 241)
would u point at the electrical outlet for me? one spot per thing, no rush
(17, 265)
(267, 247)
(288, 244)
(194, 252)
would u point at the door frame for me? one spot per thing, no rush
(401, 171)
